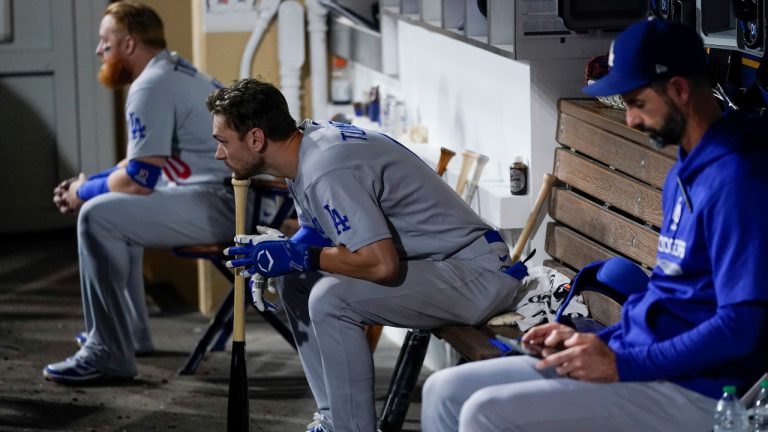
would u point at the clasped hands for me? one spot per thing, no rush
(266, 255)
(581, 356)
(65, 194)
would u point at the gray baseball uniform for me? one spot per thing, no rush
(357, 187)
(166, 116)
(510, 394)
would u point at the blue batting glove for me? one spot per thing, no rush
(274, 258)
(517, 270)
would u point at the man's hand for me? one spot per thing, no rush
(264, 234)
(272, 258)
(257, 284)
(65, 194)
(585, 357)
(551, 335)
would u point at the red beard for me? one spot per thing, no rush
(115, 73)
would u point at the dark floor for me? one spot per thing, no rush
(40, 312)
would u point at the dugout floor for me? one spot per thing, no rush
(40, 312)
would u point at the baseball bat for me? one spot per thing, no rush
(237, 402)
(445, 156)
(546, 186)
(467, 158)
(472, 186)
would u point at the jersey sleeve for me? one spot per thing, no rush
(149, 116)
(346, 210)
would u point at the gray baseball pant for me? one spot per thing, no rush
(113, 229)
(510, 394)
(327, 313)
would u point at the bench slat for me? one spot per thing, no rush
(573, 248)
(627, 156)
(614, 188)
(604, 226)
(470, 342)
(595, 113)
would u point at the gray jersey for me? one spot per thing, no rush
(166, 116)
(357, 187)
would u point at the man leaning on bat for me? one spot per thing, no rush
(383, 240)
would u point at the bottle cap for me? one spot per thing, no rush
(730, 389)
(339, 62)
(764, 384)
(518, 159)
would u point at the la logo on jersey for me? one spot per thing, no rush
(138, 130)
(341, 223)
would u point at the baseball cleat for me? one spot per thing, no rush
(73, 371)
(81, 338)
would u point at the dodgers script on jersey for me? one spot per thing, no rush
(357, 187)
(166, 116)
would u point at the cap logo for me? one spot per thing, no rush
(660, 69)
(610, 55)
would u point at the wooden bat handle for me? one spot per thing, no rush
(467, 159)
(241, 203)
(445, 156)
(471, 187)
(546, 186)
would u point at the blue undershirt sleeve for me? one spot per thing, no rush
(310, 236)
(736, 326)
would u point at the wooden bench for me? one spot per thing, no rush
(607, 202)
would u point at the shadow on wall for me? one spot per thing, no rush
(30, 165)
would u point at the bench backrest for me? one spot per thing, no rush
(608, 198)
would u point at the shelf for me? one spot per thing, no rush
(515, 30)
(493, 201)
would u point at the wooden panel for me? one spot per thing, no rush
(469, 342)
(627, 156)
(614, 188)
(602, 308)
(610, 119)
(604, 226)
(573, 248)
(562, 268)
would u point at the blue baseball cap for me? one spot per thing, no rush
(648, 50)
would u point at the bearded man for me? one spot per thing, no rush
(169, 191)
(699, 325)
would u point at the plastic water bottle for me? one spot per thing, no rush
(760, 413)
(730, 414)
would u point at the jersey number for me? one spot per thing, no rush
(341, 223)
(176, 169)
(138, 130)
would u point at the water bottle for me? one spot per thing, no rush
(760, 413)
(730, 414)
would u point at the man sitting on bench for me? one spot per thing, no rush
(406, 250)
(699, 325)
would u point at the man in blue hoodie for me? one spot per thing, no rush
(699, 325)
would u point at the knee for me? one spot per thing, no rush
(439, 386)
(324, 299)
(483, 411)
(91, 216)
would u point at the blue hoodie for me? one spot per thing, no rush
(701, 322)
